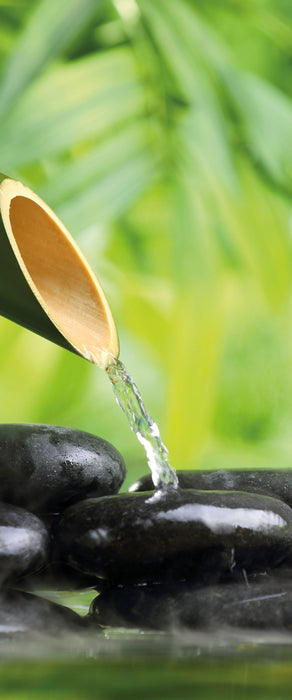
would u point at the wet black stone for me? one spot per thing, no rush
(57, 576)
(276, 483)
(44, 468)
(22, 613)
(175, 535)
(24, 543)
(54, 574)
(263, 605)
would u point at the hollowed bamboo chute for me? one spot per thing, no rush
(46, 283)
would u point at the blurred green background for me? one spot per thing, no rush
(160, 131)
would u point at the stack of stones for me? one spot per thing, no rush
(44, 469)
(215, 552)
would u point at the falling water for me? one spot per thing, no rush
(129, 399)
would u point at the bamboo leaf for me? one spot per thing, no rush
(188, 45)
(112, 195)
(71, 104)
(266, 121)
(69, 180)
(253, 219)
(193, 54)
(51, 27)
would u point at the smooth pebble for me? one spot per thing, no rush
(24, 543)
(269, 482)
(173, 535)
(44, 467)
(262, 605)
(23, 613)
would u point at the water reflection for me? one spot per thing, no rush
(224, 664)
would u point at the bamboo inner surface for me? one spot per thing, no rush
(62, 281)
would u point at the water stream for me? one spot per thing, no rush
(130, 401)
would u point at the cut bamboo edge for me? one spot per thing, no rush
(46, 284)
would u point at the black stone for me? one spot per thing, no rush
(158, 536)
(261, 605)
(57, 576)
(23, 613)
(268, 482)
(44, 467)
(24, 543)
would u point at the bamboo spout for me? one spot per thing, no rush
(46, 283)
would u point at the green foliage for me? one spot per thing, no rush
(160, 132)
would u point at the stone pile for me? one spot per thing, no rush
(44, 469)
(215, 552)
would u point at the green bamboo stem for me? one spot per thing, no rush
(24, 297)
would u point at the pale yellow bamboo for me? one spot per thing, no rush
(53, 289)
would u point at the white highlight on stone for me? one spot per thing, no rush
(13, 540)
(99, 536)
(10, 629)
(219, 519)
